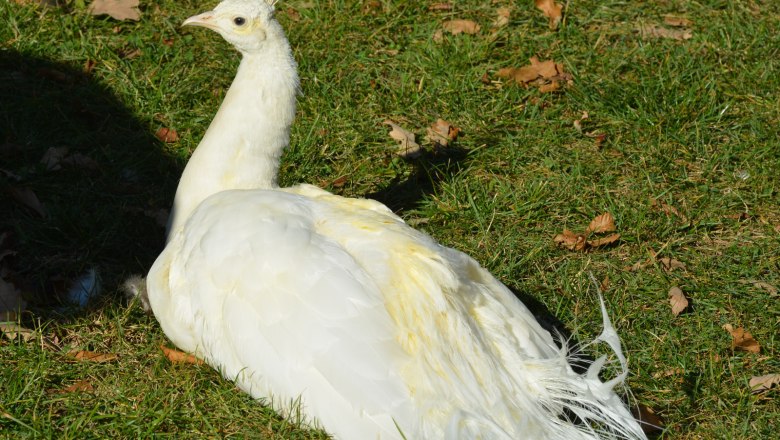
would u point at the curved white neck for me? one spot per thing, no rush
(242, 147)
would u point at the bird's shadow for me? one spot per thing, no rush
(428, 170)
(82, 181)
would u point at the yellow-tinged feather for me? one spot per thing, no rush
(376, 329)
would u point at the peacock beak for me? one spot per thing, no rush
(205, 20)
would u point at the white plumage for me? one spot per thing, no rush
(296, 293)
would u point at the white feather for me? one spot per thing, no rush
(376, 329)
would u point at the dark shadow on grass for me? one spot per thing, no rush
(432, 167)
(99, 198)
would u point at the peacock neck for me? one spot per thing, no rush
(242, 146)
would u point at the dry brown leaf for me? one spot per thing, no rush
(372, 7)
(570, 240)
(667, 209)
(578, 123)
(408, 149)
(577, 242)
(456, 27)
(117, 9)
(441, 133)
(545, 72)
(598, 138)
(551, 10)
(655, 31)
(92, 356)
(167, 135)
(669, 264)
(649, 421)
(672, 20)
(503, 17)
(742, 340)
(551, 87)
(339, 182)
(603, 241)
(602, 223)
(678, 300)
(12, 330)
(179, 357)
(772, 290)
(639, 265)
(668, 372)
(27, 197)
(440, 7)
(80, 386)
(604, 284)
(293, 14)
(759, 384)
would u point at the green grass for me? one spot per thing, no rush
(684, 121)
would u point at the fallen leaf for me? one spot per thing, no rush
(669, 264)
(667, 209)
(599, 138)
(602, 223)
(503, 17)
(441, 133)
(759, 384)
(577, 242)
(671, 20)
(551, 10)
(27, 197)
(117, 9)
(12, 330)
(678, 300)
(456, 27)
(570, 240)
(92, 356)
(167, 135)
(178, 357)
(293, 14)
(772, 290)
(655, 31)
(11, 302)
(79, 160)
(603, 241)
(438, 36)
(128, 53)
(647, 418)
(551, 87)
(542, 72)
(53, 156)
(578, 123)
(339, 182)
(742, 340)
(604, 285)
(372, 6)
(80, 386)
(668, 372)
(409, 149)
(440, 7)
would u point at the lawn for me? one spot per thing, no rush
(671, 129)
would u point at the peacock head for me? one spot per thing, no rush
(246, 24)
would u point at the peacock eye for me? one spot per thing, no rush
(239, 21)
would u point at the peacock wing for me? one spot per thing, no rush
(283, 310)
